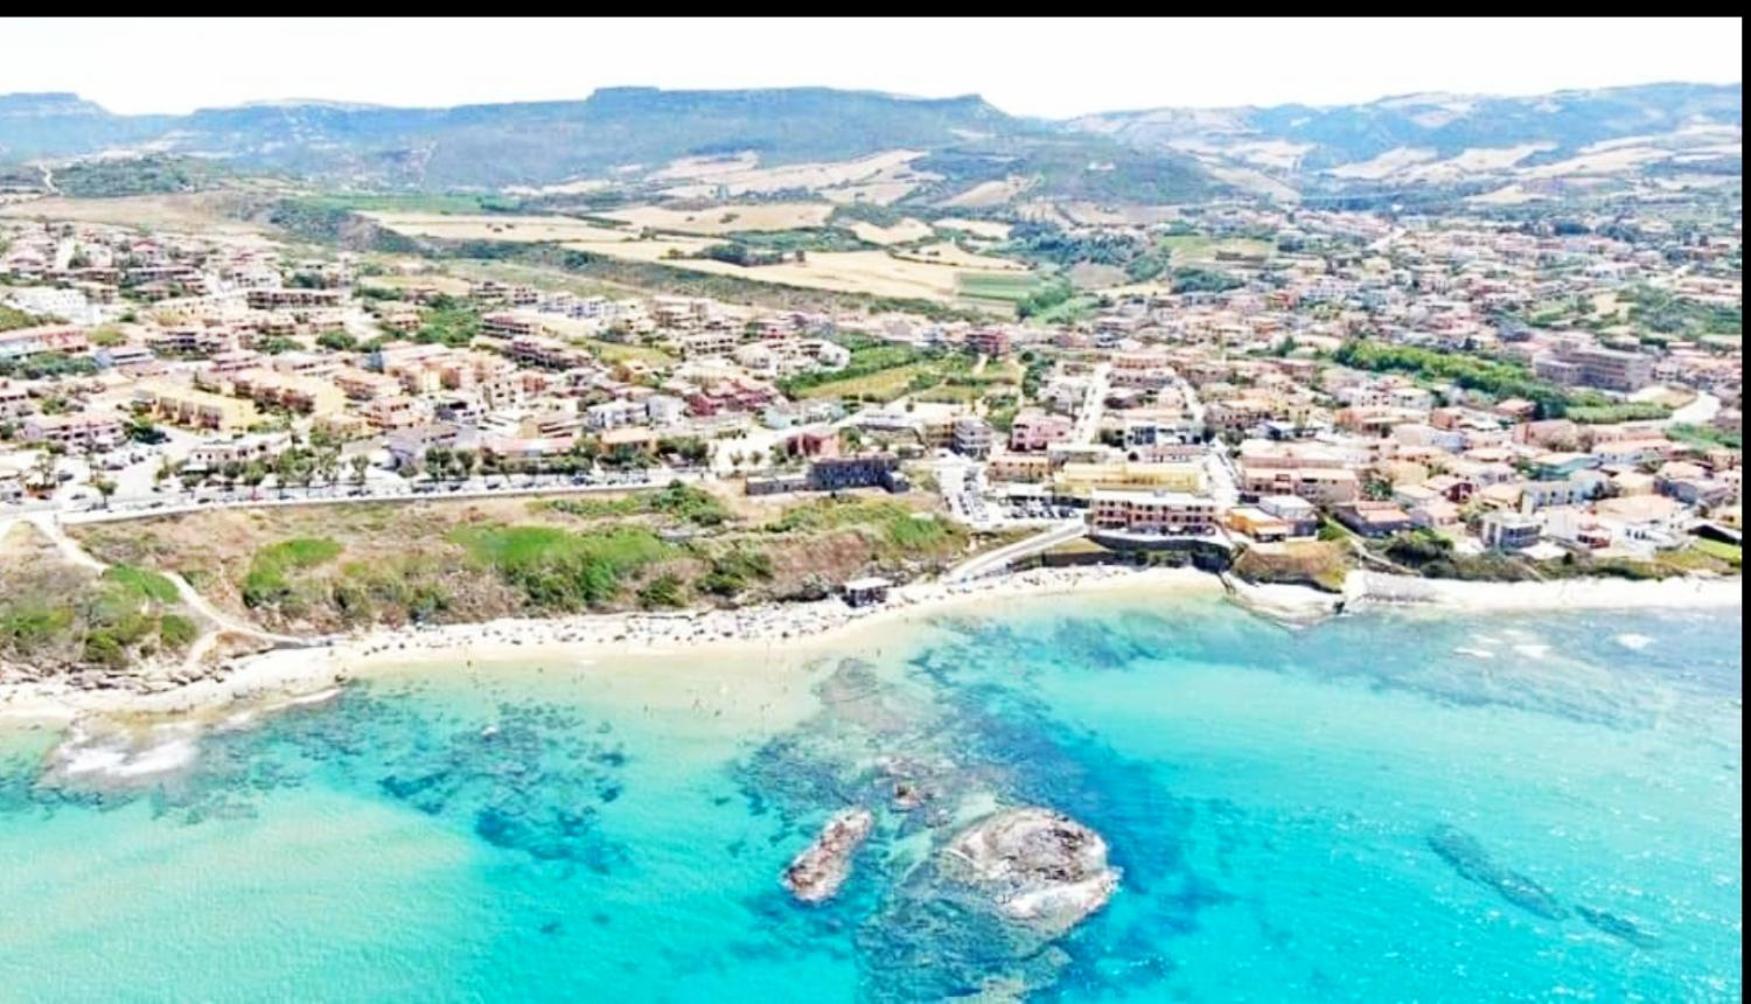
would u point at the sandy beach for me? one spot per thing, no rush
(1364, 588)
(797, 627)
(288, 673)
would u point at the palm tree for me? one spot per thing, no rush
(359, 463)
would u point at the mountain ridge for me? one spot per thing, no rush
(1153, 154)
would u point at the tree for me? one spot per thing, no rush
(359, 463)
(105, 488)
(328, 466)
(464, 463)
(43, 470)
(339, 341)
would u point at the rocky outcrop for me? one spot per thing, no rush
(1035, 867)
(816, 874)
(1467, 857)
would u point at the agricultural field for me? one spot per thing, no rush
(875, 193)
(1005, 287)
(989, 193)
(906, 231)
(887, 173)
(987, 229)
(877, 273)
(1201, 250)
(493, 227)
(949, 253)
(209, 213)
(719, 220)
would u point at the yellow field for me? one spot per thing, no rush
(990, 193)
(530, 229)
(657, 249)
(725, 219)
(978, 228)
(933, 275)
(877, 193)
(903, 232)
(448, 285)
(203, 212)
(703, 177)
(948, 253)
(876, 273)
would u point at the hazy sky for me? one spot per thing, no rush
(1026, 67)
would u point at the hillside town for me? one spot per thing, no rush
(1428, 393)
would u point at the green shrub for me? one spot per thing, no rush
(177, 631)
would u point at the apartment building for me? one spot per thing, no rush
(1159, 512)
(1036, 430)
(187, 406)
(307, 395)
(74, 432)
(972, 436)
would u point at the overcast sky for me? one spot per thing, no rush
(1025, 67)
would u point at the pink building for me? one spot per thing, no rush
(1036, 430)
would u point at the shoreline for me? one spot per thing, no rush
(1364, 589)
(288, 674)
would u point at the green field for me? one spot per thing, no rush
(615, 352)
(1199, 248)
(998, 286)
(882, 385)
(467, 205)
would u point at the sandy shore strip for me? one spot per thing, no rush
(1689, 593)
(797, 627)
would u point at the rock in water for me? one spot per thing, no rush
(1619, 927)
(1037, 867)
(816, 874)
(1472, 862)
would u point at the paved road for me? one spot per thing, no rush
(1698, 412)
(1000, 558)
(1088, 419)
(138, 508)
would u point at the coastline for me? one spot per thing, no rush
(289, 672)
(1374, 588)
(290, 675)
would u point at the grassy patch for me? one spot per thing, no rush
(615, 352)
(1322, 564)
(141, 583)
(897, 531)
(680, 502)
(1706, 436)
(267, 581)
(559, 570)
(999, 286)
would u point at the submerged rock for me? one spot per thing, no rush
(1621, 928)
(1036, 867)
(1472, 862)
(816, 874)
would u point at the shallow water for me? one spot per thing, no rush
(1383, 807)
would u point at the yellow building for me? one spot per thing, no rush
(198, 409)
(309, 395)
(1080, 480)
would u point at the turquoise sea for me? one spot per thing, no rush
(1384, 807)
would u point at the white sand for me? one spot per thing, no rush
(291, 675)
(1690, 593)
